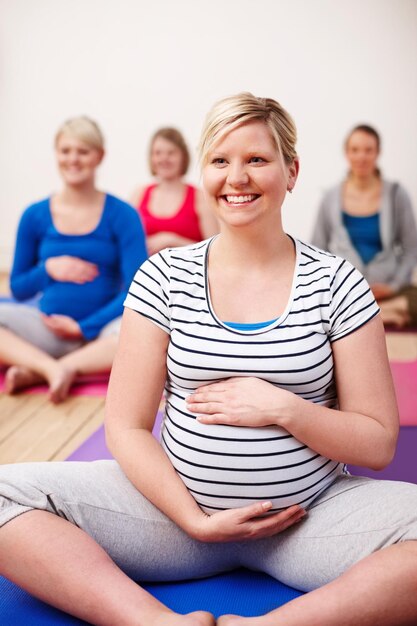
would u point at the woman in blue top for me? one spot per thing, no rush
(78, 250)
(370, 222)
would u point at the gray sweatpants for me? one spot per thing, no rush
(351, 519)
(26, 322)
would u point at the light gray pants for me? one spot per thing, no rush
(26, 322)
(351, 519)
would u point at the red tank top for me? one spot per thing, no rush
(184, 222)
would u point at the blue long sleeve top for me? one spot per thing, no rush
(117, 246)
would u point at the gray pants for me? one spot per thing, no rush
(26, 322)
(351, 519)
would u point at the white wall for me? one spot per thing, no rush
(135, 65)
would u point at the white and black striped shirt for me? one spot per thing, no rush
(229, 466)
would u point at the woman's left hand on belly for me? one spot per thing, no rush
(243, 401)
(63, 326)
(247, 523)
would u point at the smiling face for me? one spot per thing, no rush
(167, 160)
(245, 178)
(77, 160)
(362, 153)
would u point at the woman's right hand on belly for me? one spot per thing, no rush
(246, 523)
(71, 269)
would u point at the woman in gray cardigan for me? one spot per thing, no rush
(370, 222)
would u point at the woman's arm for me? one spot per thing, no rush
(405, 236)
(29, 275)
(135, 390)
(321, 231)
(130, 241)
(365, 428)
(136, 385)
(136, 197)
(363, 431)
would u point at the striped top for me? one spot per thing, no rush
(229, 466)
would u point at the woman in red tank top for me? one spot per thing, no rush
(173, 213)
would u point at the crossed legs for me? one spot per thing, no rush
(36, 355)
(88, 572)
(32, 366)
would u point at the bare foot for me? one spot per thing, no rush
(198, 618)
(18, 377)
(236, 620)
(228, 620)
(395, 312)
(232, 620)
(60, 380)
(395, 318)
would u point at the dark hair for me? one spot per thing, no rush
(174, 136)
(369, 130)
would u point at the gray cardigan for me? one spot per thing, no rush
(398, 257)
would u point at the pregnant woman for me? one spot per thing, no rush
(78, 250)
(258, 340)
(369, 221)
(173, 212)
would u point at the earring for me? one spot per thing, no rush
(290, 189)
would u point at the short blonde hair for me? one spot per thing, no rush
(84, 129)
(174, 136)
(234, 111)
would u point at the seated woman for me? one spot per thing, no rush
(173, 213)
(78, 249)
(370, 222)
(255, 336)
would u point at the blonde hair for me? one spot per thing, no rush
(231, 112)
(174, 136)
(84, 129)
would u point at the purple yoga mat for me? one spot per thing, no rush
(95, 449)
(404, 465)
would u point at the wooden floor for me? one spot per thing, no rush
(32, 429)
(402, 346)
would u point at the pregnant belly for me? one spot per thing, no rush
(227, 467)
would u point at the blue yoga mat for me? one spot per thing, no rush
(240, 592)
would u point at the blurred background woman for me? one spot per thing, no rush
(370, 222)
(173, 213)
(78, 249)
